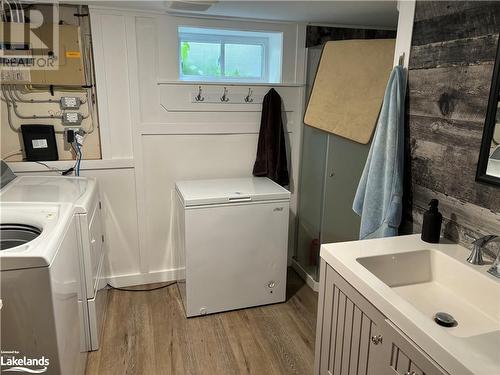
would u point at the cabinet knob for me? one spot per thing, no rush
(410, 373)
(377, 339)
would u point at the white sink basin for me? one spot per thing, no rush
(409, 281)
(433, 281)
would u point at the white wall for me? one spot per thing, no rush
(150, 118)
(113, 85)
(118, 197)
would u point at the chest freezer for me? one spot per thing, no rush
(233, 236)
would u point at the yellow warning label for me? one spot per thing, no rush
(73, 54)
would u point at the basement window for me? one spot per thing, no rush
(217, 55)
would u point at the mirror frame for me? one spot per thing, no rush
(489, 125)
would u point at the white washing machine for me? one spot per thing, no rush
(40, 289)
(83, 194)
(233, 236)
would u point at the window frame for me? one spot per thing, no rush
(223, 40)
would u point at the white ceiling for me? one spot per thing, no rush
(353, 12)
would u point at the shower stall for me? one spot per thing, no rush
(330, 170)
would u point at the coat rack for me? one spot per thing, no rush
(225, 96)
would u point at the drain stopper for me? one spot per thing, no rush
(445, 319)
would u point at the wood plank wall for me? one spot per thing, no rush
(319, 35)
(451, 65)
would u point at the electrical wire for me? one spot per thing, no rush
(2, 11)
(17, 11)
(23, 117)
(9, 114)
(30, 88)
(142, 290)
(87, 68)
(13, 94)
(79, 159)
(22, 13)
(16, 94)
(53, 169)
(76, 157)
(11, 13)
(11, 154)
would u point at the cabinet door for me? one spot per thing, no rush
(406, 358)
(351, 339)
(354, 338)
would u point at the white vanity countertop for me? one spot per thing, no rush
(479, 354)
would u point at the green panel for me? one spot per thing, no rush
(345, 162)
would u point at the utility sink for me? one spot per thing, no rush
(433, 282)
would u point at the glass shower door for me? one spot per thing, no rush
(312, 178)
(311, 200)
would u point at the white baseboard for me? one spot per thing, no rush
(174, 274)
(121, 281)
(313, 284)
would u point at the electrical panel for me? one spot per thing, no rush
(68, 61)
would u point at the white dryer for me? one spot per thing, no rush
(40, 289)
(83, 194)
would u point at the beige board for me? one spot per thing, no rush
(349, 87)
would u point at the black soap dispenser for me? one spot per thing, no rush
(431, 227)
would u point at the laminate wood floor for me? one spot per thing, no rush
(148, 333)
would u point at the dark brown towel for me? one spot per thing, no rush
(271, 159)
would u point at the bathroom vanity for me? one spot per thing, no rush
(377, 305)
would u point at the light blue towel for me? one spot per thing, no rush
(379, 196)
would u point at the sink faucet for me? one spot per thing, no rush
(476, 255)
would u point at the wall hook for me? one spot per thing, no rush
(248, 98)
(198, 97)
(224, 97)
(401, 59)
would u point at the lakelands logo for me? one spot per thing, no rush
(10, 361)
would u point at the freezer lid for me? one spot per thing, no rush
(230, 190)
